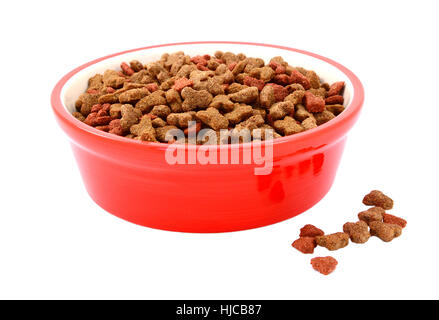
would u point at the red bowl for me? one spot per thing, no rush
(132, 180)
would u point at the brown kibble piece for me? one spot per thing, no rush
(79, 116)
(305, 245)
(358, 232)
(223, 103)
(161, 111)
(213, 118)
(130, 116)
(162, 131)
(301, 113)
(185, 71)
(200, 78)
(250, 124)
(215, 86)
(235, 87)
(195, 99)
(324, 265)
(166, 85)
(239, 67)
(259, 111)
(112, 78)
(136, 65)
(294, 87)
(181, 120)
(296, 97)
(267, 97)
(131, 85)
(336, 109)
(174, 100)
(108, 98)
(333, 241)
(311, 231)
(144, 130)
(158, 70)
(267, 133)
(320, 92)
(378, 199)
(265, 73)
(313, 79)
(141, 77)
(85, 102)
(253, 63)
(133, 95)
(323, 117)
(95, 82)
(239, 113)
(287, 126)
(115, 110)
(388, 218)
(281, 109)
(247, 95)
(309, 123)
(372, 214)
(229, 57)
(212, 64)
(177, 63)
(385, 231)
(154, 99)
(158, 122)
(325, 86)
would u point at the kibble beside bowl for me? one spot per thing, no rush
(134, 180)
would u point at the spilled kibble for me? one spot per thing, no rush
(378, 199)
(324, 265)
(385, 231)
(333, 241)
(373, 222)
(372, 214)
(388, 218)
(305, 244)
(358, 231)
(311, 231)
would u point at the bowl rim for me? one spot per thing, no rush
(346, 116)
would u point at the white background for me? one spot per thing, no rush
(56, 243)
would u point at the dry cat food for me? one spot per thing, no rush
(305, 244)
(333, 241)
(227, 91)
(324, 265)
(372, 222)
(378, 199)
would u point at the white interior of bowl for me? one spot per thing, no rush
(328, 73)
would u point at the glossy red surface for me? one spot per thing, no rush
(132, 180)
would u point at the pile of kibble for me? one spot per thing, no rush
(372, 222)
(226, 91)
